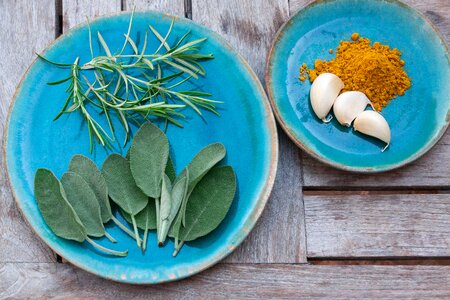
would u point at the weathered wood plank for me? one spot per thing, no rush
(279, 236)
(249, 26)
(173, 7)
(229, 281)
(75, 12)
(295, 5)
(251, 34)
(430, 171)
(371, 225)
(437, 11)
(26, 27)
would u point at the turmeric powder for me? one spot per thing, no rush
(375, 70)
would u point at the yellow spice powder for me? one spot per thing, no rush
(375, 70)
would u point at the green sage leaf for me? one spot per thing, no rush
(87, 169)
(148, 158)
(170, 170)
(121, 186)
(165, 207)
(166, 198)
(55, 209)
(202, 162)
(178, 193)
(209, 203)
(84, 202)
(146, 218)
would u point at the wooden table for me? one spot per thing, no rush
(324, 232)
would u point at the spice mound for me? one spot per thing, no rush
(376, 70)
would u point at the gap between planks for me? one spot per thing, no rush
(373, 191)
(399, 261)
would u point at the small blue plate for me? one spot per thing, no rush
(246, 127)
(417, 120)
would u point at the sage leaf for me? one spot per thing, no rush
(55, 209)
(87, 169)
(57, 212)
(209, 203)
(174, 230)
(178, 193)
(84, 202)
(121, 186)
(202, 162)
(148, 158)
(145, 219)
(165, 207)
(123, 189)
(170, 170)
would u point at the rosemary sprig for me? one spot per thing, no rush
(132, 87)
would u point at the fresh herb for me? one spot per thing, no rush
(208, 204)
(177, 195)
(59, 214)
(87, 169)
(170, 170)
(145, 220)
(145, 187)
(202, 162)
(123, 189)
(84, 202)
(148, 158)
(132, 86)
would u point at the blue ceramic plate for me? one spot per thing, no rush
(246, 127)
(417, 120)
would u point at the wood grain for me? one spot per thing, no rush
(76, 11)
(251, 35)
(295, 5)
(378, 225)
(26, 27)
(173, 7)
(249, 26)
(279, 236)
(430, 171)
(228, 281)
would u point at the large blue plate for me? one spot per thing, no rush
(417, 120)
(246, 127)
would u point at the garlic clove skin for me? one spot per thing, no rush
(349, 105)
(374, 124)
(324, 91)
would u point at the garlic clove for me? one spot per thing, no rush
(324, 90)
(374, 124)
(349, 105)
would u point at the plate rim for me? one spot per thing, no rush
(265, 191)
(289, 132)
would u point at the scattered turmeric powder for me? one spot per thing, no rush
(355, 36)
(375, 70)
(303, 72)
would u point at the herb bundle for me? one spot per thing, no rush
(147, 190)
(133, 86)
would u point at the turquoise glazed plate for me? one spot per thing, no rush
(246, 127)
(417, 120)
